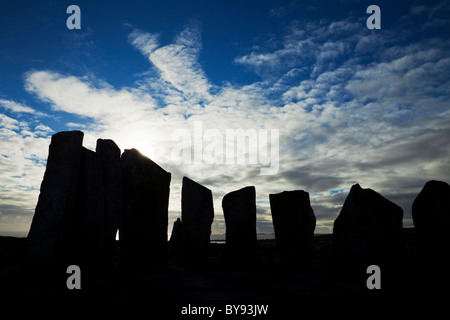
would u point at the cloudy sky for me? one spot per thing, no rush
(327, 101)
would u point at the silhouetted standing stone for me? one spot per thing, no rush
(109, 154)
(294, 223)
(368, 228)
(431, 216)
(89, 227)
(239, 209)
(143, 231)
(55, 212)
(197, 215)
(175, 236)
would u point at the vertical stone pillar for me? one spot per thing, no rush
(143, 230)
(89, 227)
(294, 223)
(368, 228)
(239, 209)
(197, 215)
(431, 216)
(48, 238)
(109, 154)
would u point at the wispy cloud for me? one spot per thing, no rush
(18, 107)
(145, 42)
(177, 63)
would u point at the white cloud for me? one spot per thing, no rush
(81, 97)
(310, 46)
(23, 153)
(145, 42)
(43, 129)
(17, 107)
(73, 125)
(177, 63)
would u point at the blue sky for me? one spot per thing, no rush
(351, 105)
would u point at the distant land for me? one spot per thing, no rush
(260, 236)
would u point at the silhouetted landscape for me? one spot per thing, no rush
(268, 280)
(86, 196)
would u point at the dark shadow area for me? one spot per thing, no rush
(267, 281)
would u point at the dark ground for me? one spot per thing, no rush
(284, 288)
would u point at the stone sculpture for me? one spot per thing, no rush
(294, 223)
(368, 228)
(197, 215)
(239, 209)
(143, 228)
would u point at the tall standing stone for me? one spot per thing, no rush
(143, 230)
(89, 227)
(48, 238)
(197, 215)
(109, 154)
(368, 228)
(294, 223)
(239, 209)
(431, 216)
(175, 237)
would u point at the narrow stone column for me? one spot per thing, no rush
(143, 230)
(197, 215)
(239, 209)
(294, 223)
(49, 235)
